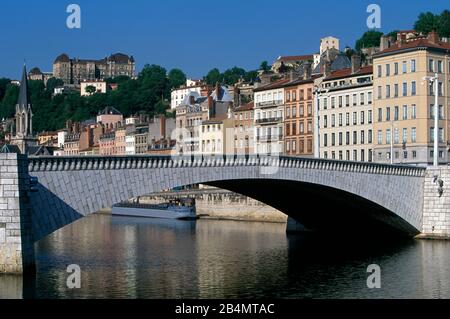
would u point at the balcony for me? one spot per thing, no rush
(271, 120)
(268, 104)
(269, 138)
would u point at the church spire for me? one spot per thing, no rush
(23, 101)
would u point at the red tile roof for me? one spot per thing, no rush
(275, 85)
(413, 44)
(348, 72)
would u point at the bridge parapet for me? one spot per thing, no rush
(41, 164)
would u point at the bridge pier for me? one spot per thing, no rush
(436, 204)
(294, 226)
(16, 242)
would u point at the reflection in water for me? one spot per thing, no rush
(149, 258)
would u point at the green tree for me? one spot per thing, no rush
(265, 67)
(53, 83)
(3, 84)
(233, 75)
(90, 89)
(369, 39)
(444, 24)
(426, 22)
(7, 107)
(177, 78)
(213, 77)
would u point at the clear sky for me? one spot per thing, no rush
(194, 35)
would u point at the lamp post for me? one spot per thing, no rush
(435, 80)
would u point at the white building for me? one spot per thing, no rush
(269, 118)
(61, 138)
(329, 43)
(178, 95)
(130, 144)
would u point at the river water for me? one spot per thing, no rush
(149, 258)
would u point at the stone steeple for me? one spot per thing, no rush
(24, 114)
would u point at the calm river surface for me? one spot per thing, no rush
(146, 258)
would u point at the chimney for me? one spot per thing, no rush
(191, 100)
(384, 43)
(356, 63)
(401, 39)
(162, 126)
(236, 96)
(307, 71)
(327, 69)
(291, 75)
(217, 91)
(433, 37)
(265, 79)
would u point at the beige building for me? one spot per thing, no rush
(346, 116)
(244, 129)
(99, 86)
(217, 135)
(404, 101)
(119, 141)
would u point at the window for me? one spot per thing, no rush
(340, 101)
(413, 111)
(396, 68)
(379, 93)
(380, 137)
(369, 97)
(432, 134)
(441, 135)
(396, 136)
(413, 65)
(340, 119)
(396, 113)
(439, 63)
(333, 120)
(405, 89)
(431, 65)
(325, 103)
(355, 100)
(413, 88)
(347, 138)
(413, 135)
(333, 102)
(355, 137)
(362, 118)
(369, 116)
(441, 112)
(362, 99)
(395, 90)
(388, 91)
(333, 139)
(325, 121)
(405, 135)
(294, 111)
(347, 119)
(388, 136)
(347, 100)
(369, 137)
(388, 114)
(380, 115)
(404, 67)
(405, 112)
(379, 71)
(388, 69)
(363, 137)
(325, 140)
(355, 118)
(340, 138)
(288, 112)
(440, 89)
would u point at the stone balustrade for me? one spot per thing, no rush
(41, 164)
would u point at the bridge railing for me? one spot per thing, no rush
(40, 164)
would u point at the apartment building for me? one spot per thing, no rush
(298, 115)
(269, 117)
(404, 99)
(346, 116)
(217, 135)
(244, 129)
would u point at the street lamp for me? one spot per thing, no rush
(435, 79)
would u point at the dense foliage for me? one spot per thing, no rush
(428, 22)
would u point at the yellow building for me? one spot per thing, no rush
(217, 136)
(404, 100)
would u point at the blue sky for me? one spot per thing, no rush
(194, 35)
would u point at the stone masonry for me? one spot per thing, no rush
(436, 207)
(16, 243)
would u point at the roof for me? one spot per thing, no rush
(109, 110)
(23, 101)
(293, 58)
(275, 85)
(416, 43)
(62, 58)
(120, 58)
(216, 120)
(223, 95)
(302, 81)
(348, 72)
(35, 71)
(245, 107)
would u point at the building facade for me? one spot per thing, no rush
(244, 121)
(269, 118)
(74, 71)
(178, 94)
(346, 115)
(404, 100)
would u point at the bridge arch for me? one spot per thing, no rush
(70, 188)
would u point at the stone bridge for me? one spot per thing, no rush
(314, 193)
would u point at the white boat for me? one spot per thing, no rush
(174, 209)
